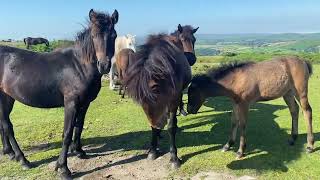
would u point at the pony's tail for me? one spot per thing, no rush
(310, 69)
(24, 40)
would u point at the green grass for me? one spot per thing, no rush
(122, 124)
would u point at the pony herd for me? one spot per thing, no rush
(154, 75)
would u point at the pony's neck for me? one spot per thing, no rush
(217, 88)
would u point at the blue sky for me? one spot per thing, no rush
(59, 19)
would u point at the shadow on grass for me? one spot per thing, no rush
(263, 135)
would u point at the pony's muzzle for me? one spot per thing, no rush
(103, 66)
(191, 57)
(191, 110)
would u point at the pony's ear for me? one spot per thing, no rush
(92, 15)
(115, 17)
(180, 29)
(195, 30)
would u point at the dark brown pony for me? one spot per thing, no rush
(247, 83)
(185, 34)
(34, 41)
(124, 59)
(69, 78)
(156, 81)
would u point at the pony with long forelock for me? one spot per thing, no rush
(247, 83)
(69, 78)
(156, 81)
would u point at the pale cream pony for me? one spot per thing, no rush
(122, 42)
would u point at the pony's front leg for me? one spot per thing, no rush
(242, 112)
(172, 129)
(233, 133)
(153, 152)
(76, 146)
(7, 148)
(70, 112)
(112, 71)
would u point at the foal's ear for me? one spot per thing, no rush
(195, 30)
(115, 17)
(180, 29)
(92, 15)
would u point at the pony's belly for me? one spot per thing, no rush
(38, 99)
(40, 102)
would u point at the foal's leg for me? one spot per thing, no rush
(294, 111)
(242, 113)
(6, 104)
(181, 107)
(172, 129)
(70, 112)
(307, 112)
(76, 146)
(153, 152)
(234, 127)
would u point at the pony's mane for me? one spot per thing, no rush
(84, 40)
(226, 68)
(201, 80)
(155, 63)
(85, 44)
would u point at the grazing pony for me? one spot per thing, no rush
(156, 81)
(69, 78)
(247, 83)
(34, 41)
(123, 42)
(124, 59)
(186, 35)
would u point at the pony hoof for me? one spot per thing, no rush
(81, 154)
(66, 176)
(225, 149)
(175, 164)
(12, 156)
(152, 155)
(291, 142)
(309, 150)
(26, 165)
(240, 155)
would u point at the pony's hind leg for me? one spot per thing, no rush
(76, 146)
(153, 151)
(294, 111)
(307, 112)
(6, 104)
(172, 129)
